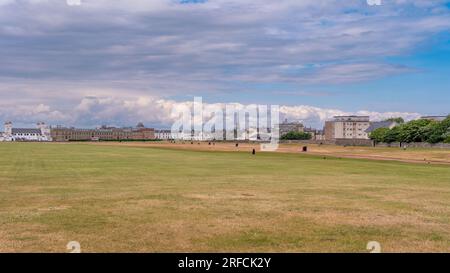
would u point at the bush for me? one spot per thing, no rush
(296, 136)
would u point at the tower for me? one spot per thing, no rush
(8, 128)
(45, 130)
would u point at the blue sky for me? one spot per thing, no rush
(119, 62)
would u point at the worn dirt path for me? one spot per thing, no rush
(412, 155)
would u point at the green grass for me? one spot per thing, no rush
(124, 199)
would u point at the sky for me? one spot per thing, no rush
(120, 62)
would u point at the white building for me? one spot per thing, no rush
(164, 135)
(41, 133)
(351, 127)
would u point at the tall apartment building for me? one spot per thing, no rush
(347, 127)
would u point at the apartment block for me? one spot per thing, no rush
(347, 127)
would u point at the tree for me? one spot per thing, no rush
(447, 135)
(432, 133)
(379, 135)
(296, 136)
(399, 120)
(393, 135)
(413, 131)
(447, 140)
(436, 131)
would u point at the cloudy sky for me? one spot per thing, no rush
(118, 62)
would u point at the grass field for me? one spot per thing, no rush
(149, 199)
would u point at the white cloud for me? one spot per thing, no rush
(6, 2)
(216, 42)
(96, 111)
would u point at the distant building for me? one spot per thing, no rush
(41, 133)
(315, 134)
(347, 127)
(380, 124)
(287, 127)
(329, 130)
(62, 134)
(434, 118)
(320, 135)
(164, 135)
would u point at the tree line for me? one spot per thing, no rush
(296, 136)
(421, 130)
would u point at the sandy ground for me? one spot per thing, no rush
(412, 155)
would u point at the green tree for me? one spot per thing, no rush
(447, 135)
(379, 135)
(447, 140)
(399, 120)
(436, 131)
(393, 135)
(413, 131)
(432, 133)
(296, 136)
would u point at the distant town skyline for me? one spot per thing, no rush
(121, 62)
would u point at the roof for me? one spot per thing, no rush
(351, 118)
(310, 130)
(380, 124)
(296, 123)
(26, 131)
(108, 129)
(437, 118)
